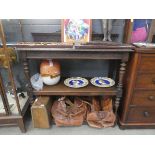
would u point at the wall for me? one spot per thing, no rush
(30, 26)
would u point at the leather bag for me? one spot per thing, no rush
(66, 113)
(101, 115)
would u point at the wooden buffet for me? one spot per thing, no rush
(90, 51)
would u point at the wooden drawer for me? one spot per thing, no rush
(141, 115)
(146, 81)
(147, 63)
(143, 98)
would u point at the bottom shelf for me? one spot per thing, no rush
(97, 111)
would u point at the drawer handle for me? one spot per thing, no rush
(153, 80)
(151, 98)
(146, 114)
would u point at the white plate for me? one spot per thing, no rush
(143, 44)
(76, 82)
(102, 82)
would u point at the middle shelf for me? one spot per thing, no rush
(89, 90)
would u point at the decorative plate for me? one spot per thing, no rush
(102, 82)
(143, 44)
(76, 82)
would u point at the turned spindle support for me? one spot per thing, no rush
(27, 75)
(120, 86)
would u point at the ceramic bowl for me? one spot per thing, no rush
(51, 81)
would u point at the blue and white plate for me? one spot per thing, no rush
(76, 82)
(102, 82)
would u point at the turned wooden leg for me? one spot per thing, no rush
(117, 102)
(27, 74)
(120, 86)
(21, 125)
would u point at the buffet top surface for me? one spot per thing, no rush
(94, 45)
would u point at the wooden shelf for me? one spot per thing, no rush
(90, 51)
(90, 90)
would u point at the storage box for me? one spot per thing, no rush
(40, 111)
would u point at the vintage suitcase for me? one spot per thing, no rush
(40, 111)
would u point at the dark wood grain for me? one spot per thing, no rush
(61, 89)
(27, 75)
(145, 81)
(71, 46)
(143, 98)
(135, 125)
(13, 121)
(129, 84)
(141, 114)
(79, 55)
(88, 51)
(128, 30)
(120, 85)
(147, 63)
(102, 50)
(138, 108)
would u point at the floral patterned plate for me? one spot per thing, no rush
(102, 82)
(76, 82)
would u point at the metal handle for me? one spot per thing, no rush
(151, 98)
(153, 80)
(146, 114)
